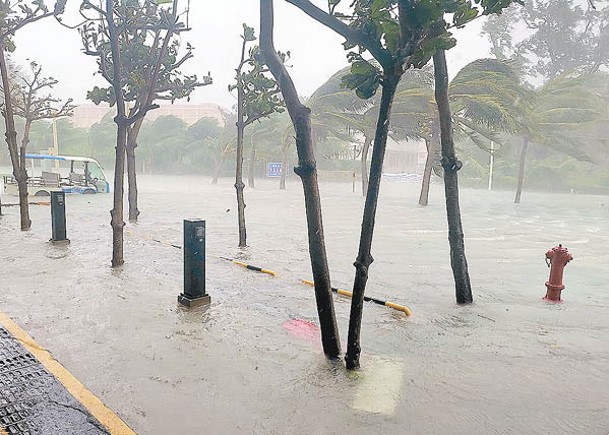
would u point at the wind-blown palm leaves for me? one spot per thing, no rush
(339, 112)
(562, 116)
(331, 104)
(486, 98)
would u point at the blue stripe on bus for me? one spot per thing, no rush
(43, 157)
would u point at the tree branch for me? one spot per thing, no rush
(253, 119)
(272, 59)
(351, 35)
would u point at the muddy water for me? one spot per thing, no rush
(509, 364)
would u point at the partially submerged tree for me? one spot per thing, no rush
(150, 48)
(136, 53)
(257, 98)
(451, 164)
(335, 108)
(13, 17)
(487, 98)
(307, 171)
(398, 35)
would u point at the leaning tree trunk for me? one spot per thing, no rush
(218, 169)
(424, 196)
(367, 143)
(132, 135)
(521, 167)
(364, 258)
(307, 171)
(19, 172)
(252, 166)
(451, 166)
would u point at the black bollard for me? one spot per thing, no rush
(194, 264)
(58, 219)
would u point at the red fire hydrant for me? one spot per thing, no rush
(556, 258)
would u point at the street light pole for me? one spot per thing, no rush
(55, 141)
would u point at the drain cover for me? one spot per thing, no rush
(32, 401)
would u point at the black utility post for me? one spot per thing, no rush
(194, 264)
(58, 219)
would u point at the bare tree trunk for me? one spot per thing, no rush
(424, 196)
(117, 221)
(307, 171)
(252, 165)
(451, 166)
(364, 258)
(367, 142)
(521, 168)
(132, 135)
(19, 172)
(239, 185)
(24, 209)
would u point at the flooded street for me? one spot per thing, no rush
(509, 364)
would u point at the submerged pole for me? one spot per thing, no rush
(194, 265)
(58, 219)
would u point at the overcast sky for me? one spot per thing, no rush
(216, 24)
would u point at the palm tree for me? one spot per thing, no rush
(486, 98)
(336, 110)
(562, 117)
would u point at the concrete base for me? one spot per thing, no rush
(65, 242)
(192, 303)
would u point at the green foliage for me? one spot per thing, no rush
(402, 34)
(564, 115)
(257, 90)
(562, 36)
(14, 15)
(365, 77)
(547, 170)
(151, 57)
(489, 93)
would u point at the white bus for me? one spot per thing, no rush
(48, 173)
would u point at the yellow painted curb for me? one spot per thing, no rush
(104, 415)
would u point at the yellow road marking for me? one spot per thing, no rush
(105, 416)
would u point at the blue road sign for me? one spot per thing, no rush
(273, 170)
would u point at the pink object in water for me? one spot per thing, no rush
(303, 329)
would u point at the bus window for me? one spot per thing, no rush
(96, 172)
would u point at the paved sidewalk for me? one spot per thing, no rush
(34, 401)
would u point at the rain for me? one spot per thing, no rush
(222, 218)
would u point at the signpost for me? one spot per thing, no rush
(273, 170)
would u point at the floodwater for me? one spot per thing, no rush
(509, 364)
